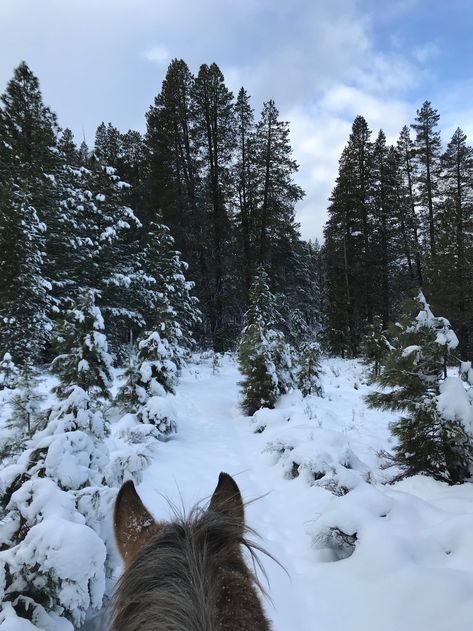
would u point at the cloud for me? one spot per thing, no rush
(427, 52)
(158, 54)
(323, 63)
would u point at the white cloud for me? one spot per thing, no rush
(158, 54)
(427, 52)
(319, 60)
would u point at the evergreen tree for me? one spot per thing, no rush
(427, 151)
(165, 296)
(156, 365)
(83, 360)
(257, 355)
(431, 439)
(452, 277)
(409, 220)
(215, 132)
(308, 376)
(348, 236)
(25, 406)
(8, 372)
(173, 186)
(28, 202)
(245, 180)
(25, 301)
(375, 345)
(132, 394)
(276, 230)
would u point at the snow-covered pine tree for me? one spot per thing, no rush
(132, 394)
(25, 301)
(434, 437)
(166, 302)
(260, 385)
(308, 375)
(83, 358)
(28, 203)
(375, 344)
(8, 372)
(148, 380)
(156, 364)
(25, 415)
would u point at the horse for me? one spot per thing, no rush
(188, 574)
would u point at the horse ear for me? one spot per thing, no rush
(132, 522)
(227, 500)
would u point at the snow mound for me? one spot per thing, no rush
(312, 438)
(397, 538)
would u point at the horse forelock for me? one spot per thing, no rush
(188, 576)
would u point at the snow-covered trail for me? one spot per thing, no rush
(412, 566)
(214, 437)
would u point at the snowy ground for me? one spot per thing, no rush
(412, 565)
(359, 554)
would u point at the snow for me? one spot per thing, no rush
(412, 564)
(454, 402)
(360, 554)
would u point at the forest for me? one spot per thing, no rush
(127, 264)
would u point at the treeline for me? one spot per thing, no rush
(207, 184)
(400, 219)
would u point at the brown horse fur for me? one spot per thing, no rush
(186, 575)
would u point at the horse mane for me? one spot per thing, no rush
(186, 573)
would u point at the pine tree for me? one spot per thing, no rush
(25, 301)
(257, 356)
(277, 193)
(25, 406)
(173, 186)
(308, 376)
(452, 278)
(215, 132)
(430, 439)
(8, 372)
(375, 345)
(132, 394)
(149, 377)
(245, 181)
(348, 236)
(83, 360)
(408, 177)
(29, 202)
(165, 295)
(156, 365)
(427, 151)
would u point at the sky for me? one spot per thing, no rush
(322, 61)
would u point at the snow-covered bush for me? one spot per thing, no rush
(54, 496)
(59, 566)
(322, 459)
(159, 411)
